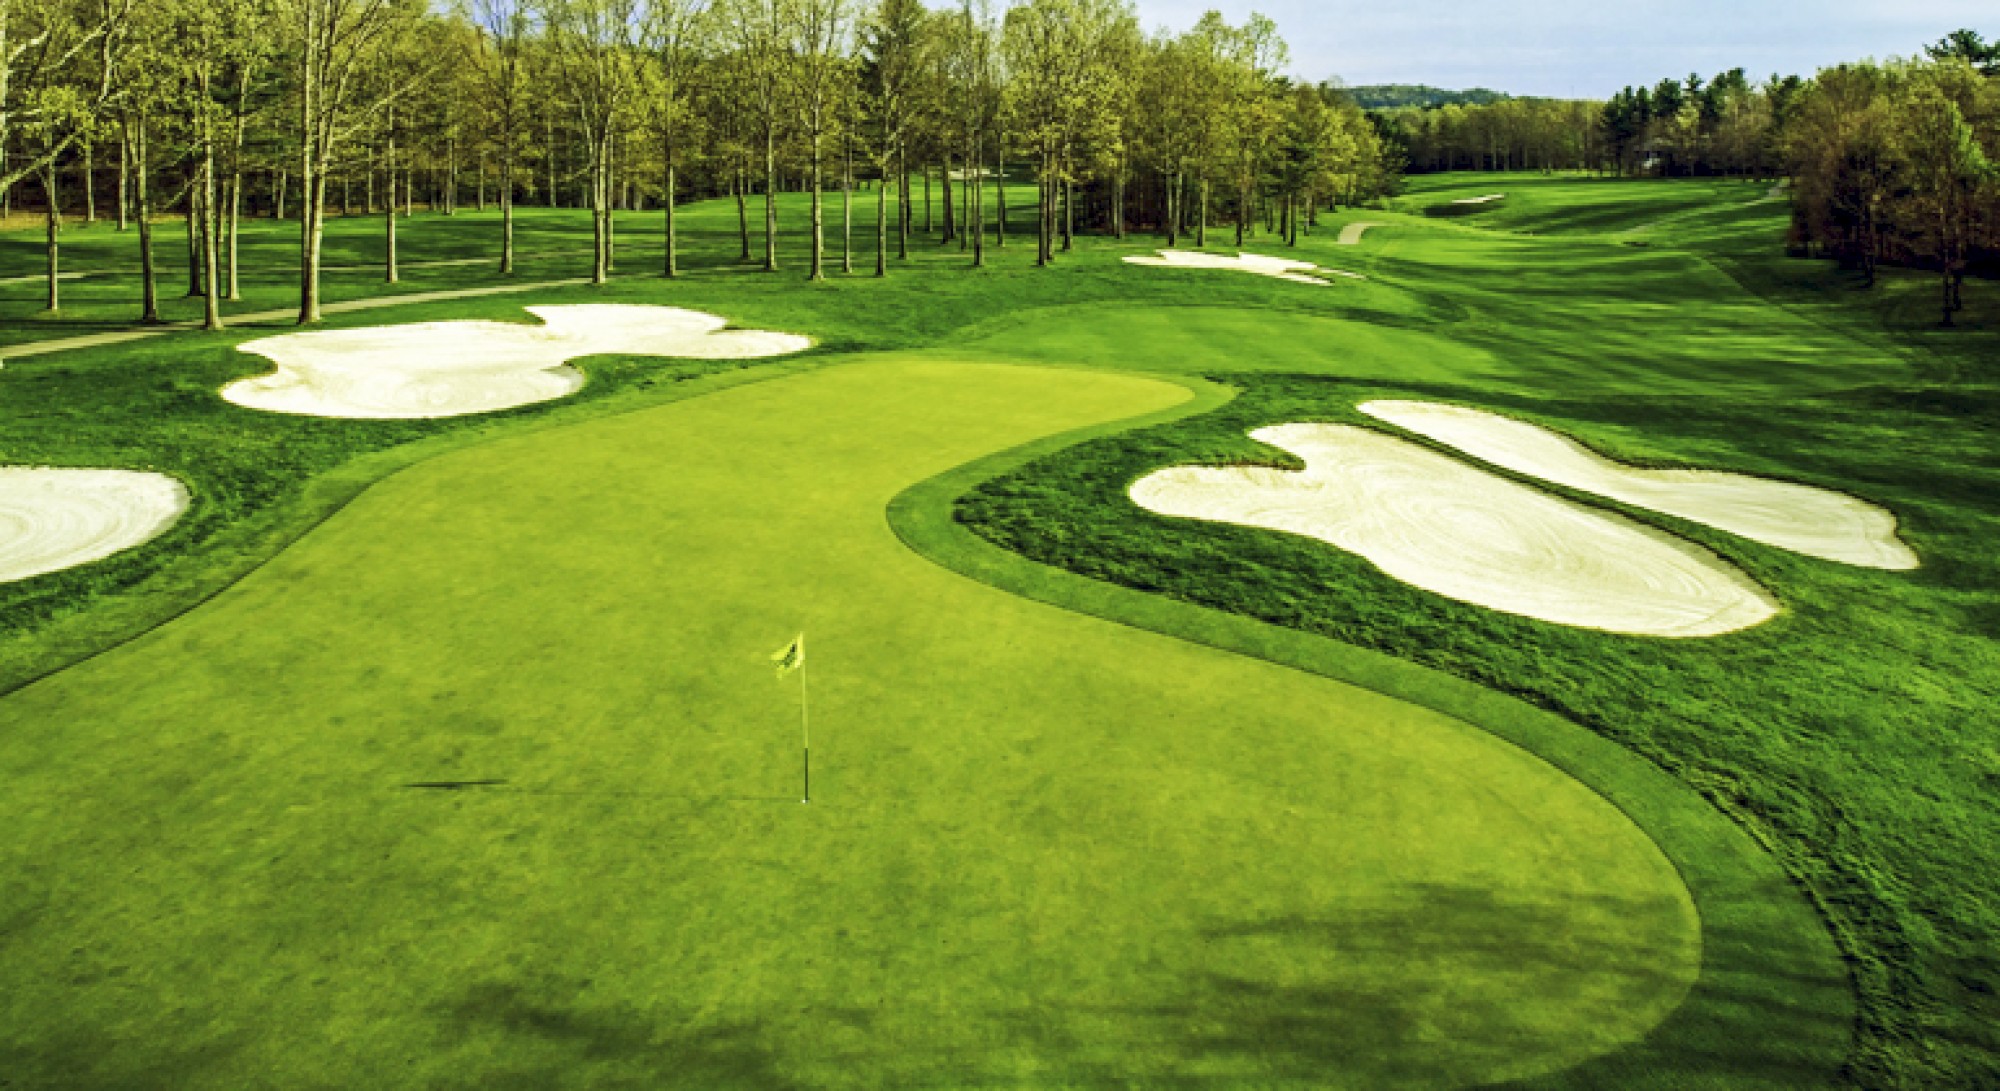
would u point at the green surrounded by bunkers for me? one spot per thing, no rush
(447, 750)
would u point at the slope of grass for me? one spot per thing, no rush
(1042, 850)
(1855, 735)
(1576, 204)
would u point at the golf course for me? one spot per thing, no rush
(438, 743)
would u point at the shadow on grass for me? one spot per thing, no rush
(628, 1047)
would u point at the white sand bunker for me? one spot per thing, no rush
(52, 519)
(39, 278)
(1259, 264)
(1350, 235)
(1488, 199)
(1818, 523)
(1434, 522)
(449, 369)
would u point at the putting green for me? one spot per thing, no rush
(1044, 848)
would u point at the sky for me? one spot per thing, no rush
(1584, 48)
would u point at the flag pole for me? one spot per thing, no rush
(805, 736)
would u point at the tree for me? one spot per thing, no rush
(757, 31)
(58, 60)
(1966, 45)
(596, 52)
(892, 44)
(814, 35)
(1948, 172)
(674, 34)
(501, 65)
(972, 69)
(332, 42)
(1256, 55)
(214, 49)
(1061, 55)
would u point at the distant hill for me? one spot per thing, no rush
(1388, 96)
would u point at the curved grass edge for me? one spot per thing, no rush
(102, 623)
(1774, 1004)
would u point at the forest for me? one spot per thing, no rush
(312, 108)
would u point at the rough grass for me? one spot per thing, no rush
(1855, 734)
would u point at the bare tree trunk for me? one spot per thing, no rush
(191, 221)
(950, 224)
(211, 223)
(847, 204)
(149, 289)
(1045, 228)
(389, 219)
(1069, 213)
(882, 221)
(507, 209)
(278, 202)
(930, 224)
(977, 199)
(770, 198)
(741, 186)
(89, 183)
(1000, 194)
(52, 218)
(1118, 202)
(600, 265)
(124, 185)
(673, 246)
(818, 271)
(905, 211)
(236, 184)
(312, 226)
(1201, 236)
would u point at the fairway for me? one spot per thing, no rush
(1046, 545)
(1043, 848)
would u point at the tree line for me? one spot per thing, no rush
(222, 109)
(1888, 163)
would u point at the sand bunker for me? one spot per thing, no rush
(448, 369)
(1818, 523)
(1259, 264)
(39, 278)
(1350, 235)
(1488, 199)
(52, 519)
(1432, 521)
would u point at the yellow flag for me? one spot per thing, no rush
(790, 657)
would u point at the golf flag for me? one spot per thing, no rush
(790, 657)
